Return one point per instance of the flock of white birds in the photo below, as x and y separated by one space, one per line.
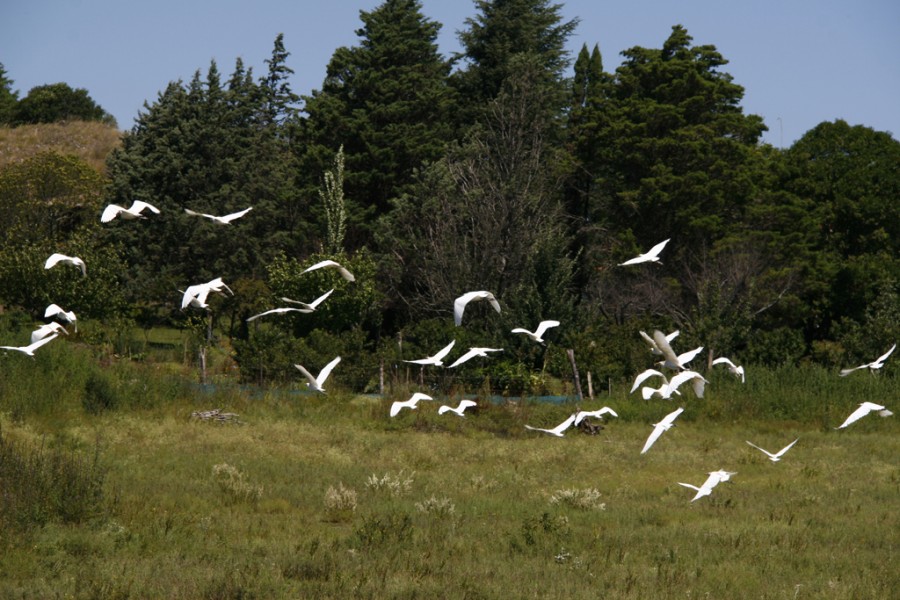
660 345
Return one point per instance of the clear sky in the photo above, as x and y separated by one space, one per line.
800 62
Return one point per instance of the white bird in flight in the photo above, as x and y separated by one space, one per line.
667 423
737 371
672 360
54 311
472 353
29 350
459 410
558 430
654 348
133 212
57 258
316 383
223 220
667 389
310 307
45 330
537 334
277 311
872 366
437 359
330 264
597 414
651 255
776 456
864 409
196 295
459 305
410 404
642 377
714 479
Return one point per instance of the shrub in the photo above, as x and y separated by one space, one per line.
232 483
99 393
340 503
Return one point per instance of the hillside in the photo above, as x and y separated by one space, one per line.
91 141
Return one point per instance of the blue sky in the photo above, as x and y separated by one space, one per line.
800 62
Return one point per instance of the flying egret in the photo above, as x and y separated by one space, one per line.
66 260
472 353
737 371
308 308
777 456
642 377
597 414
410 404
872 366
651 255
664 425
223 220
330 264
54 311
459 410
459 305
652 343
29 350
666 390
537 334
134 212
714 479
686 357
316 383
45 330
665 349
864 409
437 359
277 311
195 295
558 430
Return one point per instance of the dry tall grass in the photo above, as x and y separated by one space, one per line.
89 140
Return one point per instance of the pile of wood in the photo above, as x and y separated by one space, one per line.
216 415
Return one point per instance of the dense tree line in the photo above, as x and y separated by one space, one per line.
513 167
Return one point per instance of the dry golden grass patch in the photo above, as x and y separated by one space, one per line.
90 141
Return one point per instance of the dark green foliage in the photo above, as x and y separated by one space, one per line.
388 103
58 102
8 98
99 393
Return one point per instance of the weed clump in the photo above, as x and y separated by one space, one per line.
584 499
394 485
232 483
340 503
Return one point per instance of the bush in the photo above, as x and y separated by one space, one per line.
99 394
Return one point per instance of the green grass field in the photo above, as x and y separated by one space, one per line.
326 497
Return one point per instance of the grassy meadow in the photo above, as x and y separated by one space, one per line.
110 489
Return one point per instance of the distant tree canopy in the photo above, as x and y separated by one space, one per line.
8 98
499 170
58 102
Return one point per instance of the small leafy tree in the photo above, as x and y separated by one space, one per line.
332 195
59 102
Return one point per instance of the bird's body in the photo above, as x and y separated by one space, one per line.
654 348
714 479
397 406
665 350
872 366
224 219
310 307
776 456
58 258
642 377
597 414
460 409
195 296
330 264
659 428
537 334
737 371
54 311
45 330
30 349
459 305
651 255
667 389
436 360
558 430
316 383
472 353
864 409
133 212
